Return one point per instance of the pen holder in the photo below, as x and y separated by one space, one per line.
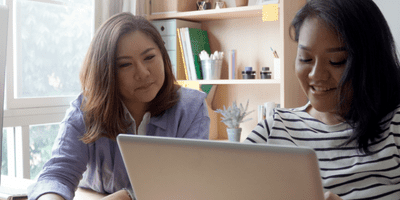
211 69
277 68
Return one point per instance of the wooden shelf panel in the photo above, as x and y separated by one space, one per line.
238 81
213 14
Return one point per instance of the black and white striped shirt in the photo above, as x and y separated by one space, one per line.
344 170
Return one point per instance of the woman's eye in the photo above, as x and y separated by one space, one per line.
305 60
338 63
149 57
124 65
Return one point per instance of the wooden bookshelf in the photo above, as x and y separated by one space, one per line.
239 81
213 14
243 29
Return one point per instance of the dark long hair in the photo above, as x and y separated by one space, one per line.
102 106
372 73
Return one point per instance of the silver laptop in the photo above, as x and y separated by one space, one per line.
177 168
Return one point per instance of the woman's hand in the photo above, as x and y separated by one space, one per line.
120 195
330 196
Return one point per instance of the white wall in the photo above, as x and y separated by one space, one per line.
390 9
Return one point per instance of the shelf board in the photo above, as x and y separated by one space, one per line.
213 14
238 82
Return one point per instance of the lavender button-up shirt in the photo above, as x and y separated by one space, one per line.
99 165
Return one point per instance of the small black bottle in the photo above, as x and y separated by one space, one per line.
248 73
265 73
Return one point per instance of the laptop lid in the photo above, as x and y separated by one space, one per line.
3 51
177 168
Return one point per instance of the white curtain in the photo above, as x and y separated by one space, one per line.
107 8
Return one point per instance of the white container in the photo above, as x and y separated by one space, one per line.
211 69
269 109
234 134
277 69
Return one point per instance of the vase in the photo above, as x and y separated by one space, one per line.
241 3
234 134
203 5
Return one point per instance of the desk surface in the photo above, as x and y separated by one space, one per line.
80 194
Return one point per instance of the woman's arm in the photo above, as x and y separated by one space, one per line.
120 195
50 196
64 170
330 196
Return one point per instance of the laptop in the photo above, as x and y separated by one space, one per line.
178 168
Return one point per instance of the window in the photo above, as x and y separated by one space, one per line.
4 162
50 39
41 140
46 45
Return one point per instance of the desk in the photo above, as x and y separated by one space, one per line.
80 194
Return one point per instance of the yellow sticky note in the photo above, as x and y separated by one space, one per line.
270 12
190 84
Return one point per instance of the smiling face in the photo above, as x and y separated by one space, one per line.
320 63
140 69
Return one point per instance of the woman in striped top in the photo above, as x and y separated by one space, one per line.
348 68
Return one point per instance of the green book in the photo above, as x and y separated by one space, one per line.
206 88
198 42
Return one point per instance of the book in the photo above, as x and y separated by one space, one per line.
185 52
181 53
232 64
189 53
190 84
7 193
206 88
261 113
198 41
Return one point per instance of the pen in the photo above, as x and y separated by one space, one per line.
274 52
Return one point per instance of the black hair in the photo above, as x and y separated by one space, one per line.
372 76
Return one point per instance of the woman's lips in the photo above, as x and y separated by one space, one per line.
322 90
144 86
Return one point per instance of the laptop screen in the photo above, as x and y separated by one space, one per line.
3 51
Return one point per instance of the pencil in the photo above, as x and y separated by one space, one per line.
274 53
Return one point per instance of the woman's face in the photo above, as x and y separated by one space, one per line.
320 63
140 68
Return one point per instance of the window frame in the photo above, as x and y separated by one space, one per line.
11 78
20 113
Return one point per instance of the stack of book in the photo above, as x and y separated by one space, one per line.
192 41
7 193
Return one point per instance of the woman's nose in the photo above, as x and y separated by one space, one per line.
319 72
141 72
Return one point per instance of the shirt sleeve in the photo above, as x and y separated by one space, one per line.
262 131
62 173
200 125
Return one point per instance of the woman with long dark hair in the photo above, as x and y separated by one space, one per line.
347 65
127 87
